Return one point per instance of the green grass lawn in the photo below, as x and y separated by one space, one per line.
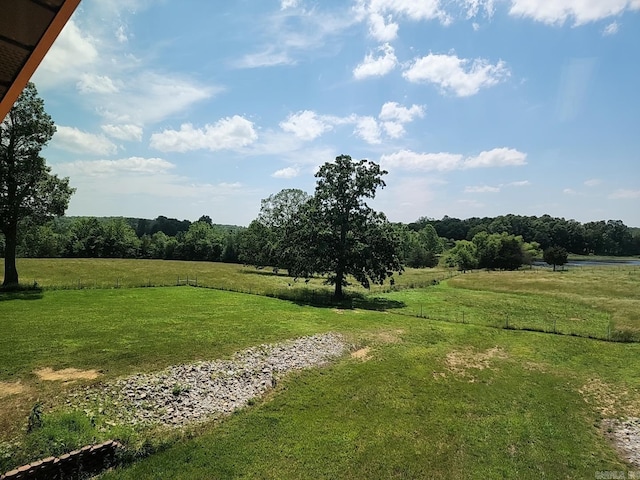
435 399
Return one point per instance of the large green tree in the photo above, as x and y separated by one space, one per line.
336 233
29 192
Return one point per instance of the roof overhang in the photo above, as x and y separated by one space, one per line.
28 28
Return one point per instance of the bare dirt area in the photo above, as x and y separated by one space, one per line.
460 362
11 388
362 354
66 374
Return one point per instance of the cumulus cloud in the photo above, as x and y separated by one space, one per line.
127 132
227 133
383 30
368 129
498 157
460 76
557 12
443 161
288 172
409 160
306 125
394 116
74 140
379 66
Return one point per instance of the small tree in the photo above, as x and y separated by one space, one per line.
464 256
556 256
28 190
337 233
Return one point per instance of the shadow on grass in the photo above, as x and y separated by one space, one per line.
325 298
20 292
268 272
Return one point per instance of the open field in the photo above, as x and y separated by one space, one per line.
69 273
430 399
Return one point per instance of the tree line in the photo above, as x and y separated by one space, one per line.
610 237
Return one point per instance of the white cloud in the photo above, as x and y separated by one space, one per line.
377 66
124 166
152 97
443 161
383 30
569 191
284 4
394 116
522 183
227 133
461 76
288 172
267 58
473 7
70 56
305 125
130 92
498 157
368 129
611 29
557 12
482 189
412 9
74 140
625 194
594 182
408 160
91 83
128 132
395 112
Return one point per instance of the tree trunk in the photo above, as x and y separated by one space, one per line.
338 292
10 270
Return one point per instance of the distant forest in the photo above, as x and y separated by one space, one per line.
202 240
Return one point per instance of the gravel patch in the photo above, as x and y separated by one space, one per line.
626 437
183 394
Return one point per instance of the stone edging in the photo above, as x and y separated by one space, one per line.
87 460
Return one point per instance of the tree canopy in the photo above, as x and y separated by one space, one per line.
29 192
337 233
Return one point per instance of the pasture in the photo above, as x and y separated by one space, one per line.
444 390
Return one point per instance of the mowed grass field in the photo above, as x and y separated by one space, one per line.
433 398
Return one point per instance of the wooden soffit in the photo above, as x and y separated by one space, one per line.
28 28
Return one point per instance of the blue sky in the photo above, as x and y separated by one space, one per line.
475 107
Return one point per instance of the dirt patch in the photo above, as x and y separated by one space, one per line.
66 374
362 354
609 400
460 362
11 388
